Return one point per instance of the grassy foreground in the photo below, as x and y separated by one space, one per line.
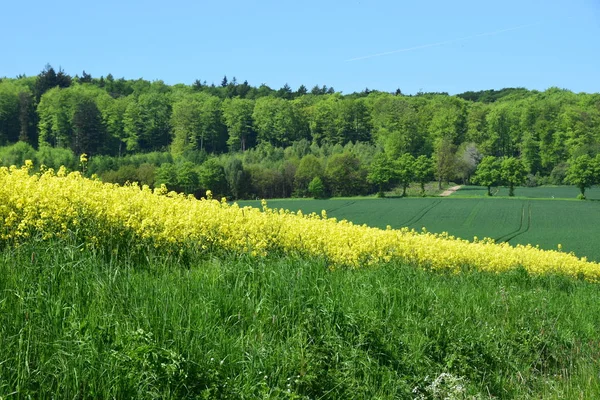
74 324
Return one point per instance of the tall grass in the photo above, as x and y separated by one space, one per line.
77 325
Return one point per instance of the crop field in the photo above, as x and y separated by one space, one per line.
544 222
131 219
111 291
541 192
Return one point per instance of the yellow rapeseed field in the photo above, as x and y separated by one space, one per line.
60 204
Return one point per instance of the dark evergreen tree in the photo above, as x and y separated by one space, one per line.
27 119
231 89
47 79
88 130
63 80
285 92
316 90
244 89
85 78
109 84
197 85
302 90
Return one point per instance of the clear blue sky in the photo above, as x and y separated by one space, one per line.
450 46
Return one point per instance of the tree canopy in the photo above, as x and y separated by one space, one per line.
545 132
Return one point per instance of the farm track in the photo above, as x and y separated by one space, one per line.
469 220
524 225
449 191
526 228
417 217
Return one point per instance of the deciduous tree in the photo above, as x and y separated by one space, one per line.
488 173
9 112
381 173
278 121
445 160
345 175
237 115
405 171
513 173
212 177
316 188
583 173
423 171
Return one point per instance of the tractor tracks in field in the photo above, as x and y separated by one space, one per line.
417 217
346 204
524 224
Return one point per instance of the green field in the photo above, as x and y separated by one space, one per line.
537 221
546 192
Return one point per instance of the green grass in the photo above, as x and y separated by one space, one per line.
74 324
544 222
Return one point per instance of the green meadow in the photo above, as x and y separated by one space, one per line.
78 324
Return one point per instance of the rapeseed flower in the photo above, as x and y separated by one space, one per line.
58 205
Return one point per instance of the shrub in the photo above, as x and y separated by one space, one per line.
16 154
317 188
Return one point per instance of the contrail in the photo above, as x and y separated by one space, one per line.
424 46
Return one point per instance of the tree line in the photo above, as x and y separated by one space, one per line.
370 131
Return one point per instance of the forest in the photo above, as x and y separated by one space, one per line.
244 141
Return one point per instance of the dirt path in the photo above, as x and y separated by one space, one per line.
450 191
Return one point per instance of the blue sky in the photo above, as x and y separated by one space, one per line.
450 46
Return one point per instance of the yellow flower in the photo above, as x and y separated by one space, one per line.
52 205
